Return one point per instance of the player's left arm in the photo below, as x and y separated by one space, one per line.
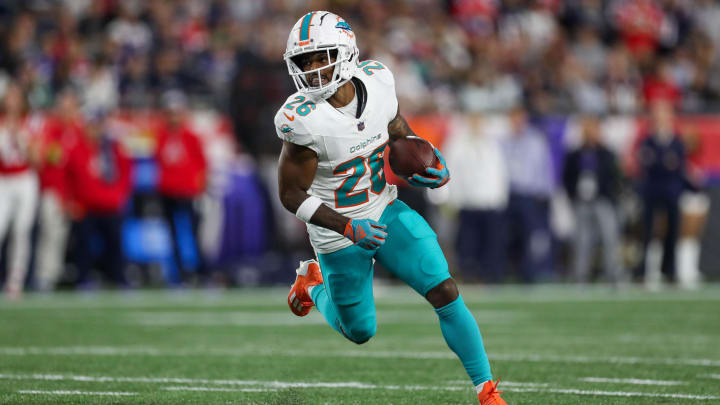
433 177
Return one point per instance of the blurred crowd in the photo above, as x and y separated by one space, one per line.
73 71
520 199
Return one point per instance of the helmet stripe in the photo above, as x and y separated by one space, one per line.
305 26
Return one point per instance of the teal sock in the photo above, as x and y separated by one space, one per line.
462 335
322 303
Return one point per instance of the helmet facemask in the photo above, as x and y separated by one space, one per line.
343 68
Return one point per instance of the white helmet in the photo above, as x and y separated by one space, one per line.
322 31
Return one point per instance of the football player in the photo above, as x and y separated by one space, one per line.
334 130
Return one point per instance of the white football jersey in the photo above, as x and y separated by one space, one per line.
349 177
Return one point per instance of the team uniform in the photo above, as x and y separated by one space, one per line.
350 143
351 181
350 149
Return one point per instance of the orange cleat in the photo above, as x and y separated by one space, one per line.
490 395
308 275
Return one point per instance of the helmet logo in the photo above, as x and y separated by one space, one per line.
344 27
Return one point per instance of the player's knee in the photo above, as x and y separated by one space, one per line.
443 293
361 332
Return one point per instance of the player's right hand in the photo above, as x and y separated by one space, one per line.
366 233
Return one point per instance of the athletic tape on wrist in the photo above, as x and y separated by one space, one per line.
308 207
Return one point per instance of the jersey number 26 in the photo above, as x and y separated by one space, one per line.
344 195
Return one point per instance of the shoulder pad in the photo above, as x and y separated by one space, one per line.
296 108
374 69
290 121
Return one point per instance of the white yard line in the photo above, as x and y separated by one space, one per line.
362 386
613 393
84 378
635 381
277 384
607 359
268 384
504 383
216 389
262 386
151 380
538 358
713 376
82 350
63 392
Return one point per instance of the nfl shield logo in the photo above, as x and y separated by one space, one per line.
361 126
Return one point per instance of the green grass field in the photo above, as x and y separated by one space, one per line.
550 345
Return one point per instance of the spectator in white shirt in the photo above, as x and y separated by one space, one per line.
479 191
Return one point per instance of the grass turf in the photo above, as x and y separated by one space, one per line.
550 344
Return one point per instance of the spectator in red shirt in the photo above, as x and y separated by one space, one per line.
18 187
658 86
59 134
182 174
639 23
99 179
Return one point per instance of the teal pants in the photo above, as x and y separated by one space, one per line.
411 252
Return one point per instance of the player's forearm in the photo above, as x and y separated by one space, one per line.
330 219
325 216
399 128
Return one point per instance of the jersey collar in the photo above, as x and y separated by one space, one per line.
361 92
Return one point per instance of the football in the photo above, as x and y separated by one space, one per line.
411 155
